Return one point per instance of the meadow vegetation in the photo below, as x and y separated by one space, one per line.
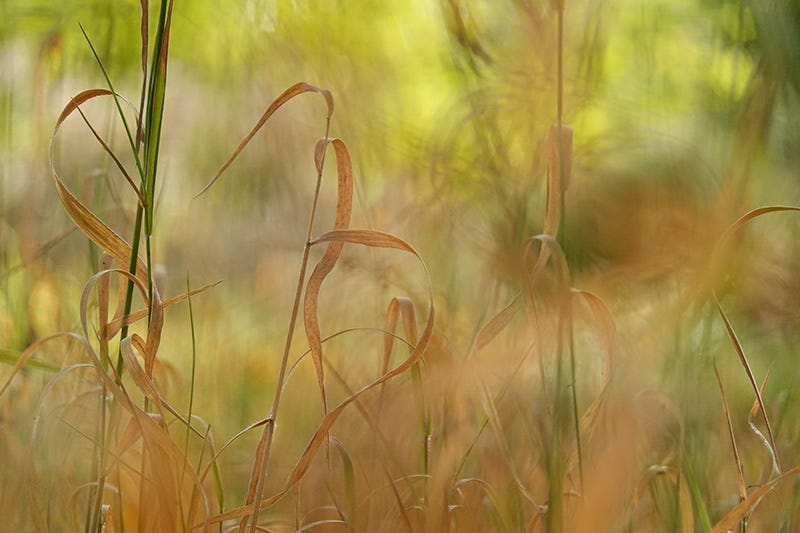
455 265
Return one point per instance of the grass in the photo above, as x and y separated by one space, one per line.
562 399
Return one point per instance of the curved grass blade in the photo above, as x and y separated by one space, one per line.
89 224
751 421
288 94
329 258
491 493
404 307
738 513
751 377
258 471
25 358
496 324
716 258
398 306
349 482
120 321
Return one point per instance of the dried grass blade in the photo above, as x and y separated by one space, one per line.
750 215
97 279
90 225
497 323
288 94
492 416
751 421
23 359
399 305
120 321
153 331
367 237
165 460
140 377
404 307
103 295
258 472
390 326
551 244
130 436
328 260
559 168
738 513
79 99
717 256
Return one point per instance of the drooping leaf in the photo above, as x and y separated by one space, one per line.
328 259
287 95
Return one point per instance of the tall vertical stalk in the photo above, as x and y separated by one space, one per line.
144 145
566 339
259 471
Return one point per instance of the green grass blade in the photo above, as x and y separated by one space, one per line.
140 208
191 382
156 93
116 101
12 358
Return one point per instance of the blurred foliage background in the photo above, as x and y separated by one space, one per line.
685 115
684 109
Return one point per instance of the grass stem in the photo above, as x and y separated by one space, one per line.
259 471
